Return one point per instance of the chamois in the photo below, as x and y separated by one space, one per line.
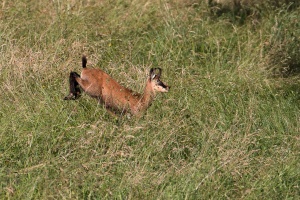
116 98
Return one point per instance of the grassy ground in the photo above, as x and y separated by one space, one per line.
228 129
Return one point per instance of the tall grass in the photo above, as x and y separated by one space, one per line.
227 129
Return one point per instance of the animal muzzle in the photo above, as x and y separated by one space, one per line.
165 87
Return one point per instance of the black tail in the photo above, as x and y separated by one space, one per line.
84 61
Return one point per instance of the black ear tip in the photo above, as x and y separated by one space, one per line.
84 61
154 69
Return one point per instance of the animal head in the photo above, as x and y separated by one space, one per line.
156 83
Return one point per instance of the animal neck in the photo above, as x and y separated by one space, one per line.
147 96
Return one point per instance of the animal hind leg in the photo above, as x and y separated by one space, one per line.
75 91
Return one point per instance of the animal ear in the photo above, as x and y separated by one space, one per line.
152 74
155 73
159 72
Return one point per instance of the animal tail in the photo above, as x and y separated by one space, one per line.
84 61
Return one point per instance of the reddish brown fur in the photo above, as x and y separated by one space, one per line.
114 96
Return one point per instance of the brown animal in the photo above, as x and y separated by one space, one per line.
116 98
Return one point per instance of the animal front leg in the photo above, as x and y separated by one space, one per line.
74 87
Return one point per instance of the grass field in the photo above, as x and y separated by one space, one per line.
228 128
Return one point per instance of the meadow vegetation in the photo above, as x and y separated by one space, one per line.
228 128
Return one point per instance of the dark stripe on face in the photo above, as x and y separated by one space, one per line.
162 84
